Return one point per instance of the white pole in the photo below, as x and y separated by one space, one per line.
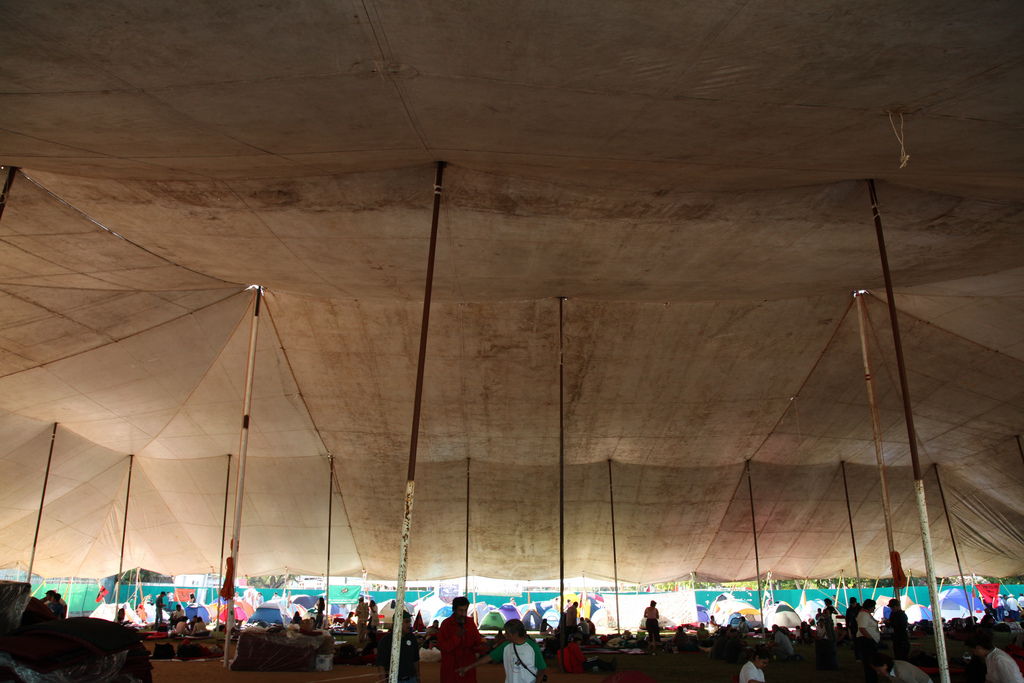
240 486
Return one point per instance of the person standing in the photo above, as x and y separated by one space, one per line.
374 623
1013 608
408 653
851 624
520 655
868 636
900 636
161 600
571 618
321 614
651 617
458 639
362 615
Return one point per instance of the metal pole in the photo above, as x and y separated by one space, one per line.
124 531
1020 448
467 526
952 537
224 529
853 539
42 498
922 510
562 620
876 427
615 554
8 181
757 559
330 523
243 445
410 485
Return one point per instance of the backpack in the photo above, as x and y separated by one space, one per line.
189 651
163 651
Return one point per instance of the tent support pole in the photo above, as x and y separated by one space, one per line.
952 537
243 445
562 620
124 531
757 559
330 522
922 510
1020 448
615 555
410 485
467 526
853 538
224 529
876 426
8 181
46 479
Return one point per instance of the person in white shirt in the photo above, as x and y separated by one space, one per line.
754 669
897 670
1002 668
868 636
1013 607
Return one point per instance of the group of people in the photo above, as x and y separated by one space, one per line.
56 603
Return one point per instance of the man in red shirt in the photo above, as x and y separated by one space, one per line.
458 640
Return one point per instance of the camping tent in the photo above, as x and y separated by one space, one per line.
270 613
781 614
675 192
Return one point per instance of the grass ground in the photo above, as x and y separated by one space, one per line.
664 668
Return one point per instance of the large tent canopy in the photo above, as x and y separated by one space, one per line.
690 176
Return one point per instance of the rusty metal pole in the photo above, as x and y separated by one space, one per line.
326 617
562 620
853 538
757 559
410 485
922 509
42 498
952 537
615 555
224 529
124 532
876 427
8 181
243 445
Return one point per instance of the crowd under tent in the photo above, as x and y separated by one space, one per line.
670 198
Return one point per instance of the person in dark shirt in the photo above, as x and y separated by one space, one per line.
718 648
900 636
851 624
734 648
408 654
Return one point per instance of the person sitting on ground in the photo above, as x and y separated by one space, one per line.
545 628
805 637
296 618
783 648
683 642
178 615
430 635
743 627
121 618
889 669
573 662
718 648
734 648
198 629
180 628
753 670
702 632
1002 668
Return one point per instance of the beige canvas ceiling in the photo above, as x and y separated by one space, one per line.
690 176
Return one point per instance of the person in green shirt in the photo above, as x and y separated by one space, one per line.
520 654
